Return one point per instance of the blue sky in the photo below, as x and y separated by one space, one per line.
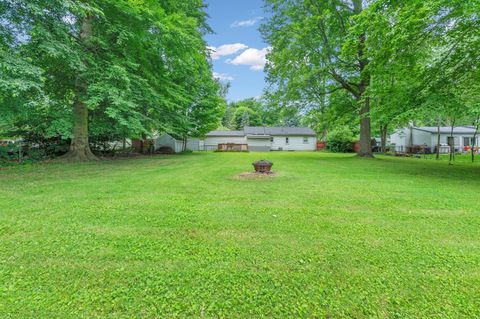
239 51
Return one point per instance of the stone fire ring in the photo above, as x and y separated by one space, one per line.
263 167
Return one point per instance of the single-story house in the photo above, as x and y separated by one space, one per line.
264 139
428 136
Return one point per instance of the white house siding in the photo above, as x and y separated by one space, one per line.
461 140
193 144
176 145
258 138
444 139
295 143
211 143
401 138
165 140
421 137
259 144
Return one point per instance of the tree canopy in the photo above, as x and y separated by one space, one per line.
90 69
388 62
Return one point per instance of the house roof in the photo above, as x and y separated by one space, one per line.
259 136
226 133
265 130
447 129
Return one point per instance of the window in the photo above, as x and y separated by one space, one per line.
305 140
467 141
286 140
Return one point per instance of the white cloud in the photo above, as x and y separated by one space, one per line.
222 76
226 49
255 58
246 23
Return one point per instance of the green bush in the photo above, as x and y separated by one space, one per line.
340 140
15 153
8 154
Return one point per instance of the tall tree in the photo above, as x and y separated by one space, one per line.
120 63
316 43
421 53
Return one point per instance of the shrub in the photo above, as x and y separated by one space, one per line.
340 140
8 154
29 152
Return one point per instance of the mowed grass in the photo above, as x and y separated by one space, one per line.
331 236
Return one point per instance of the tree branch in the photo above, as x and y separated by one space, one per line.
345 84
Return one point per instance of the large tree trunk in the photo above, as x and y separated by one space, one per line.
79 146
365 126
365 130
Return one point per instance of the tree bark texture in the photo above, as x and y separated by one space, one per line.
365 125
79 145
365 130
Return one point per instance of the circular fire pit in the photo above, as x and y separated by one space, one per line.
263 166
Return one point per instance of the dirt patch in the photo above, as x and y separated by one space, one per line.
256 175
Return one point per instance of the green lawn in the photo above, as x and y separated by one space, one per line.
331 236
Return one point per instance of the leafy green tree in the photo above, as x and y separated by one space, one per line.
125 65
340 111
203 113
394 58
421 52
245 119
470 95
261 112
228 120
245 116
317 50
21 82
